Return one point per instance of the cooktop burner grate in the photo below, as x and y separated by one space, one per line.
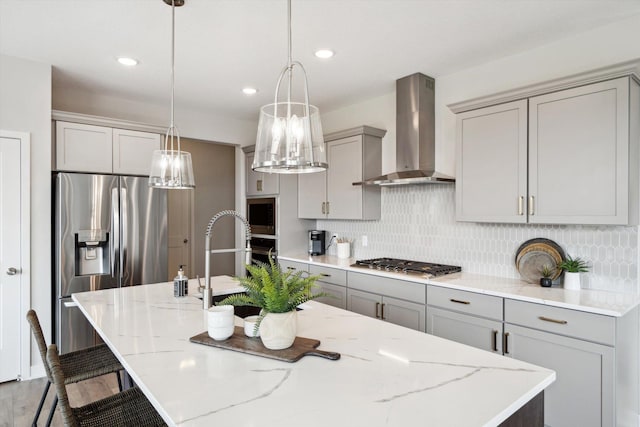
395 265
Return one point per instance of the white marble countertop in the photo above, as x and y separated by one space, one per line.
388 375
598 302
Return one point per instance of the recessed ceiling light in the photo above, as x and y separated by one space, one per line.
249 91
324 53
129 62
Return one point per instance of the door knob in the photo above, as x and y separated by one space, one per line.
185 241
11 271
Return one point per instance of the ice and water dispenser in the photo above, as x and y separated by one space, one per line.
92 252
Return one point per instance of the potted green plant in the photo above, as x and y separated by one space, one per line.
572 268
546 272
278 294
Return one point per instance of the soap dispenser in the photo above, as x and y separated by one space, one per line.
180 284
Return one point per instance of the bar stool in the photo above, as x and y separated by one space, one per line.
76 366
127 408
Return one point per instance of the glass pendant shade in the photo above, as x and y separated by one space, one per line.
289 139
171 169
290 136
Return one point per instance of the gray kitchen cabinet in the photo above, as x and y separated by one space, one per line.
570 157
465 317
491 174
100 149
292 265
353 155
333 281
485 334
595 358
579 142
259 183
397 301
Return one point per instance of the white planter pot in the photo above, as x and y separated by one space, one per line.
572 281
278 330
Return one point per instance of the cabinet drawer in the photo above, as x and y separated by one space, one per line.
465 302
329 275
402 289
337 294
586 326
292 265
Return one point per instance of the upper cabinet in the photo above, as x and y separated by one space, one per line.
259 183
353 155
567 157
99 149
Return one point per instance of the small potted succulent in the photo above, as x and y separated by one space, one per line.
546 273
572 268
278 294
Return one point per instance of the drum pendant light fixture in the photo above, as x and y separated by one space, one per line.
171 168
290 136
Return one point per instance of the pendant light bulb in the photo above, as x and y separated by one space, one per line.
172 168
298 123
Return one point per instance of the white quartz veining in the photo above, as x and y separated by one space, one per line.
592 301
387 376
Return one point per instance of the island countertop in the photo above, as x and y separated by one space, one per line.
388 375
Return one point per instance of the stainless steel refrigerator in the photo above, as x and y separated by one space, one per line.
110 231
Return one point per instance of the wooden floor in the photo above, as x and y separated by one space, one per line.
19 399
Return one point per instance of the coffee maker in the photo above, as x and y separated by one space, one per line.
317 242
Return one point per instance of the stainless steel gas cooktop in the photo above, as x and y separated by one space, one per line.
393 265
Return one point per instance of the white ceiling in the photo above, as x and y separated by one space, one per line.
224 45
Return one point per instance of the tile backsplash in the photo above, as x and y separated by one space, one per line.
418 222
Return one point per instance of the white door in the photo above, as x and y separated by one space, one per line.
10 263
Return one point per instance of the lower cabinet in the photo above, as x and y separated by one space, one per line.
582 394
398 312
333 281
484 334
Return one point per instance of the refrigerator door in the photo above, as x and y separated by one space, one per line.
73 330
143 217
86 236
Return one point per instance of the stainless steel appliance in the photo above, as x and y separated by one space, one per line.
424 269
317 242
110 231
261 214
261 247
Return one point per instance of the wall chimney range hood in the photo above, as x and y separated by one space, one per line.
415 135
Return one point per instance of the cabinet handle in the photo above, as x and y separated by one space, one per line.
325 275
291 268
259 185
382 312
549 319
505 343
377 307
328 208
323 207
521 205
494 340
531 212
457 301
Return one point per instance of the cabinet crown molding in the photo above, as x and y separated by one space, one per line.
629 68
359 130
87 119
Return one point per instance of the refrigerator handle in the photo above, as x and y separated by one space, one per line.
115 233
125 231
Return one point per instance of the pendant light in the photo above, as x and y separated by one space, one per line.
171 168
289 136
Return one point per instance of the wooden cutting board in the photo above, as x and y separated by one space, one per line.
243 344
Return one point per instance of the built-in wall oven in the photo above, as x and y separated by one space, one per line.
261 247
261 214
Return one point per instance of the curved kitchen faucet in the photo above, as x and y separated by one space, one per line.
206 293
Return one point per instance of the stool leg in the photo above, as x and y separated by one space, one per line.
34 423
52 411
119 381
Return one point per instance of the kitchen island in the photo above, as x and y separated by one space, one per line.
387 376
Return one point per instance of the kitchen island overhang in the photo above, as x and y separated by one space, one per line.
388 375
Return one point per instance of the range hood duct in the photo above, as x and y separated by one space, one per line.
415 135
